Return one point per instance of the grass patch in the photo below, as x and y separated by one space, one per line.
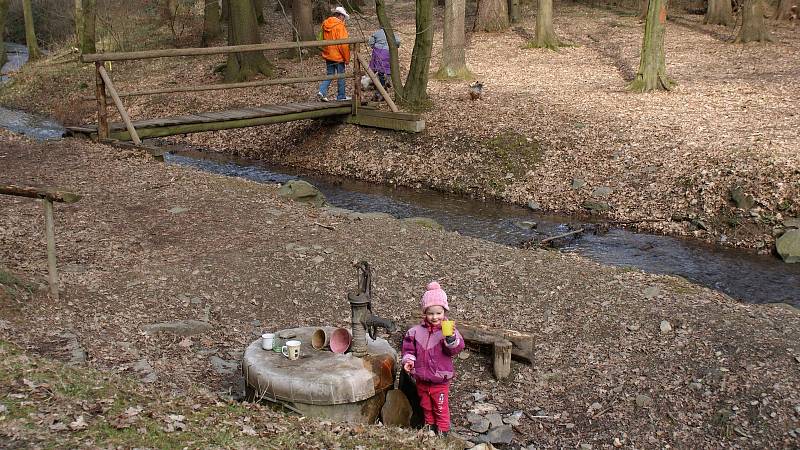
49 404
514 152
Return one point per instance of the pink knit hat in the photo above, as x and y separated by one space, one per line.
434 296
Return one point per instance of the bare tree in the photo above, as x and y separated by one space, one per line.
753 27
259 6
545 35
454 60
243 29
211 19
85 25
492 15
719 12
30 32
3 15
303 20
652 73
784 10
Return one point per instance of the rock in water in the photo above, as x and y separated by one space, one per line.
788 246
302 191
743 200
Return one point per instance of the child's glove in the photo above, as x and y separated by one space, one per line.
408 366
449 339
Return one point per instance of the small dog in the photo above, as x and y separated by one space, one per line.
475 90
366 83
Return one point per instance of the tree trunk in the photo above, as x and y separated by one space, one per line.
416 87
513 11
30 33
211 18
492 15
719 12
784 10
454 60
394 63
753 27
545 35
259 6
302 17
652 66
226 10
85 21
3 15
243 29
643 6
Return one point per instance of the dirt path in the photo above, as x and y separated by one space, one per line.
154 243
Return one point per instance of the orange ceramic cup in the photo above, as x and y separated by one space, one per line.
448 327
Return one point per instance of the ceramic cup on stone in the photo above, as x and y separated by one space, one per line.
320 339
267 341
341 338
291 350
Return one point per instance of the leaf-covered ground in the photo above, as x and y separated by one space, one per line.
669 363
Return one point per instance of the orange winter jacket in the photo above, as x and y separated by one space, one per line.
333 28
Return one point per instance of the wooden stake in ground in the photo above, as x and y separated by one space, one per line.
652 75
502 359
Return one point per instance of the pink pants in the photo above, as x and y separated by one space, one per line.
433 398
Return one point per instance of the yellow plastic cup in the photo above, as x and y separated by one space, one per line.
448 327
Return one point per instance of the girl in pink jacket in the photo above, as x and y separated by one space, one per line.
428 356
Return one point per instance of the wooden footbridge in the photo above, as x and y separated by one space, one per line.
352 111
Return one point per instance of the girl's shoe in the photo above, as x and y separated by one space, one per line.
321 97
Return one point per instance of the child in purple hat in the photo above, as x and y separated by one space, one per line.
428 356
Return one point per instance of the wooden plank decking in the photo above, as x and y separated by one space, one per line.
253 116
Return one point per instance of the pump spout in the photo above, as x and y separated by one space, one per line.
373 321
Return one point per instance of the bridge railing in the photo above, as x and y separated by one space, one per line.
103 80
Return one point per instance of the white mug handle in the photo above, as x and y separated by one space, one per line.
285 351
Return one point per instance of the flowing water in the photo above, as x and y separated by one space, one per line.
739 273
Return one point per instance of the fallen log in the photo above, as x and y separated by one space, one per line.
485 337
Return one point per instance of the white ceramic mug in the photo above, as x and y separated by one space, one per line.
267 340
291 350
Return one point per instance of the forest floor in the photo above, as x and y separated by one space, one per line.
645 360
551 127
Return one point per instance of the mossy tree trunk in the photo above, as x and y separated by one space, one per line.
303 19
784 10
30 32
85 25
652 73
394 63
415 91
643 6
492 15
3 15
513 11
243 29
259 6
754 29
211 21
454 60
545 35
719 12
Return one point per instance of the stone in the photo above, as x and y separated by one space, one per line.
695 386
179 327
483 408
742 199
478 396
651 292
665 327
788 246
302 191
513 418
585 446
481 426
791 222
425 222
602 192
643 401
526 225
578 183
473 418
145 371
464 354
178 210
534 206
484 446
596 206
495 420
317 259
223 367
500 435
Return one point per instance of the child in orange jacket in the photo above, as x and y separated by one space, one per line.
335 56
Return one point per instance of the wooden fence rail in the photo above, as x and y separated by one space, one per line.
48 196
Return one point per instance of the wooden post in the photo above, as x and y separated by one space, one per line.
100 94
120 107
356 78
51 247
502 359
372 76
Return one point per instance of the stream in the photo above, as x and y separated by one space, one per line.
739 273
